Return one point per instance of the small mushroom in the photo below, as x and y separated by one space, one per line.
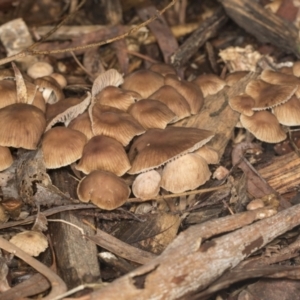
116 97
210 155
31 242
185 173
158 146
62 146
144 82
60 79
40 69
288 113
103 153
264 126
115 123
106 190
209 84
174 101
267 95
243 104
189 90
21 126
83 124
146 185
152 113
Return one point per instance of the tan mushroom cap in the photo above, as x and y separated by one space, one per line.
243 104
21 126
116 97
52 110
288 113
83 124
175 102
279 78
39 69
144 82
31 242
233 78
62 146
210 155
6 158
189 90
104 153
104 189
158 146
267 95
115 123
264 126
185 173
152 113
146 185
209 84
163 69
60 79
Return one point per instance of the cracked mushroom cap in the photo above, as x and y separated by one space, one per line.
152 113
144 82
209 84
6 158
83 124
185 173
189 90
267 95
288 113
21 126
103 153
158 146
31 242
115 123
106 190
243 104
146 185
163 69
116 97
175 102
62 146
264 126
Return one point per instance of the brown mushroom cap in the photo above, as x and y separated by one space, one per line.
104 189
209 84
152 113
288 113
31 242
175 102
21 126
296 68
6 158
189 90
264 126
115 123
243 104
163 69
234 77
83 124
185 173
158 146
116 97
146 185
103 153
279 78
144 82
62 146
267 95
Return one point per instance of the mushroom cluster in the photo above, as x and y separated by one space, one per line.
270 101
122 127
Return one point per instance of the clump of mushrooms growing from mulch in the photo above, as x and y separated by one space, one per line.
128 126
